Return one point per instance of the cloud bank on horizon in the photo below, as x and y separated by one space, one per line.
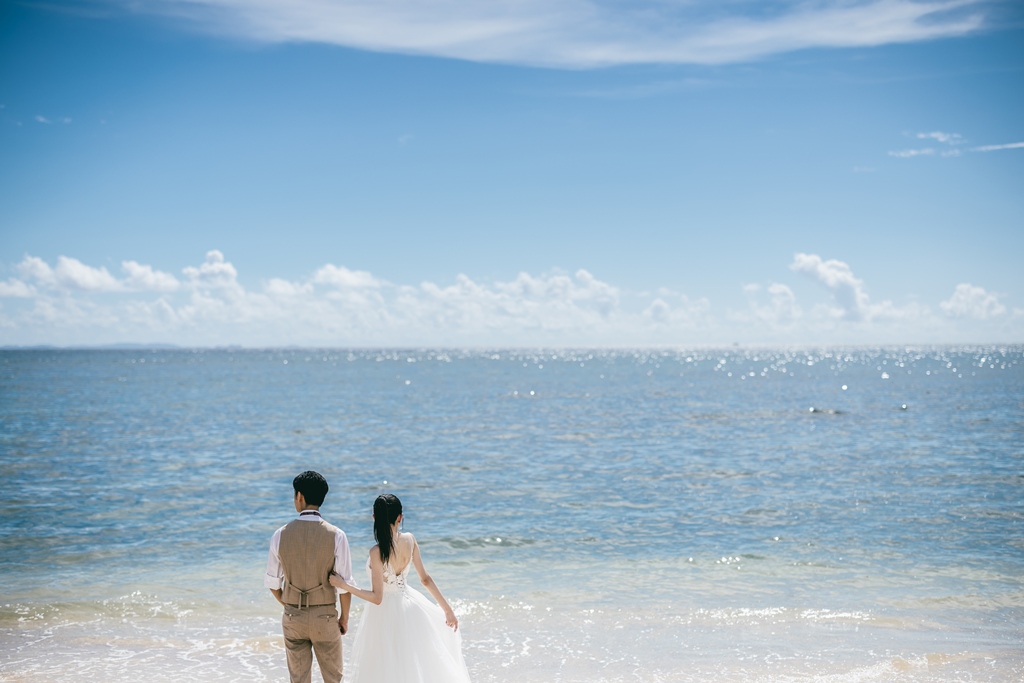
581 33
71 303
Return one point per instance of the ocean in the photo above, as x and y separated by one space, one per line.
651 516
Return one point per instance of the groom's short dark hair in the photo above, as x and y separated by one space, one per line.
312 486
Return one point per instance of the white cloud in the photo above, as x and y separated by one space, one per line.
583 33
37 269
213 273
42 119
337 306
849 292
684 314
969 301
784 301
284 288
837 277
143 278
15 289
996 148
781 308
340 276
583 291
911 153
72 273
527 303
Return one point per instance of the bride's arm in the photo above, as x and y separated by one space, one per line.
449 616
376 580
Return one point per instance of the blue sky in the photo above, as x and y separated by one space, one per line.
558 173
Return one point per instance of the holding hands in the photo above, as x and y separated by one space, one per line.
339 582
376 595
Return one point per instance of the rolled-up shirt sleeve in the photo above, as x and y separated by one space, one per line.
343 559
275 573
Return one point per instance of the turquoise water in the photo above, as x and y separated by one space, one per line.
677 515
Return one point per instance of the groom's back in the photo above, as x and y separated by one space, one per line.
307 558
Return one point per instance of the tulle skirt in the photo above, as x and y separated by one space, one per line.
404 640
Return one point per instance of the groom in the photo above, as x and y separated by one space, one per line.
302 555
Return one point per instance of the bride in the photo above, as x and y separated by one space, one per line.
403 637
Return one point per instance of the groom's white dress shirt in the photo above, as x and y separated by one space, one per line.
274 577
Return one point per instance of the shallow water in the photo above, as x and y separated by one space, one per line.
641 516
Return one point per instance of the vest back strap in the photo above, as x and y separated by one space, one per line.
304 595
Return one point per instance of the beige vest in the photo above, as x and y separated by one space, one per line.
307 558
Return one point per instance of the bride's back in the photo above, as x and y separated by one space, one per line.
401 553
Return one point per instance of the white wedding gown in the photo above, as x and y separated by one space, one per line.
404 639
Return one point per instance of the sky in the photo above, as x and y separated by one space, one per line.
560 173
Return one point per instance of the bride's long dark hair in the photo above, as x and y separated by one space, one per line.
386 509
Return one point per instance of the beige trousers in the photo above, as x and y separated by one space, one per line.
312 630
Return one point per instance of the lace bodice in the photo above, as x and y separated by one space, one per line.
392 582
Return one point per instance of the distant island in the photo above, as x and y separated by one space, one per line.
93 347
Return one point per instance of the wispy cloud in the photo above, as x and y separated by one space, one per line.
996 148
39 118
911 153
583 33
949 138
